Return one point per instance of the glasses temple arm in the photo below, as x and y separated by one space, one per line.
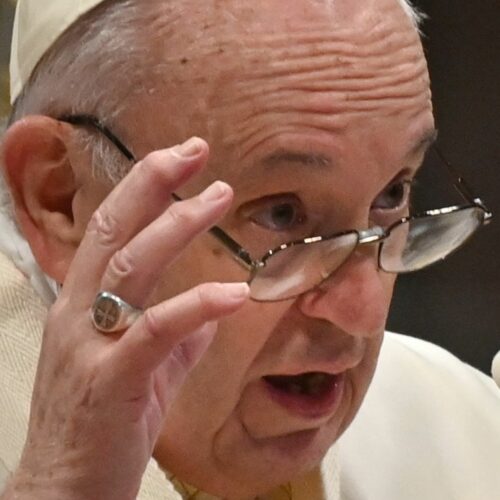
461 185
92 121
233 246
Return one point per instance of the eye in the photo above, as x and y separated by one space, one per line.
395 196
282 213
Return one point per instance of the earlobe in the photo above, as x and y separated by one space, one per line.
39 172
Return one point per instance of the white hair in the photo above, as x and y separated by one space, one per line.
95 67
415 14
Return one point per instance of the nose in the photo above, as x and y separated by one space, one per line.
355 298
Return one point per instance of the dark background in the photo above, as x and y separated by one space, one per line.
455 304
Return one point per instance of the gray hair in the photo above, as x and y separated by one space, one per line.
96 66
98 53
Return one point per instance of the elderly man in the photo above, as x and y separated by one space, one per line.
224 312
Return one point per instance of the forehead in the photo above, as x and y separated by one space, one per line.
275 71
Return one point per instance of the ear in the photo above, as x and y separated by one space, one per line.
37 158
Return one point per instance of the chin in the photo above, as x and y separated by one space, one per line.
240 466
264 464
237 462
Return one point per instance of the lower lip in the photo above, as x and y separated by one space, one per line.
311 407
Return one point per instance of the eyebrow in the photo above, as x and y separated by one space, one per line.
302 158
318 160
427 139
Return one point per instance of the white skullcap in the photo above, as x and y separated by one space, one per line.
37 25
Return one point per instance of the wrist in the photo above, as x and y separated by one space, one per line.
58 482
39 485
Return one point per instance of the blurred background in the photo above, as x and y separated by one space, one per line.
455 304
6 12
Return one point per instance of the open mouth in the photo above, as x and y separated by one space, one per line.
310 395
312 384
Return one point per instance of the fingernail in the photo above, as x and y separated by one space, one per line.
238 291
192 147
215 191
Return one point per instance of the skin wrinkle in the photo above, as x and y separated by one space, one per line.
399 83
314 82
365 94
336 78
211 45
329 103
330 45
250 136
368 42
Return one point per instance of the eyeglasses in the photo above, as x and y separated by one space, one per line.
410 244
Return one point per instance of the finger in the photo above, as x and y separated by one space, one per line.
142 195
132 272
153 337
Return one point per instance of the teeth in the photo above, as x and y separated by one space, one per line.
295 388
316 383
309 384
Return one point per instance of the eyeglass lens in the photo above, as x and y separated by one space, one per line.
298 268
410 246
423 241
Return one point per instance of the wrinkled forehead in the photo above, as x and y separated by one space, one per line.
198 27
222 59
285 16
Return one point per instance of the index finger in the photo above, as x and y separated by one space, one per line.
135 202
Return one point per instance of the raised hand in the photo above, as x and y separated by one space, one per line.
100 400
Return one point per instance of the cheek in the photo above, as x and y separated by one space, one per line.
207 405
220 378
370 301
204 260
387 281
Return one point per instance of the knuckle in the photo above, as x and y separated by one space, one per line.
54 315
58 314
182 214
182 355
105 226
153 326
154 160
155 166
122 265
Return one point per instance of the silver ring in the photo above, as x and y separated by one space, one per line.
112 314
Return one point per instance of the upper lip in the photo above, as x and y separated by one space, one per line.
331 368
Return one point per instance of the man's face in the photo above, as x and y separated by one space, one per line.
314 112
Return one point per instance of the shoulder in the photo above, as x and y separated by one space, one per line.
428 428
430 367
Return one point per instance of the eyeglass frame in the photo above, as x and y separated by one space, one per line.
376 234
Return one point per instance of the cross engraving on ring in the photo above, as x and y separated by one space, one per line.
107 313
